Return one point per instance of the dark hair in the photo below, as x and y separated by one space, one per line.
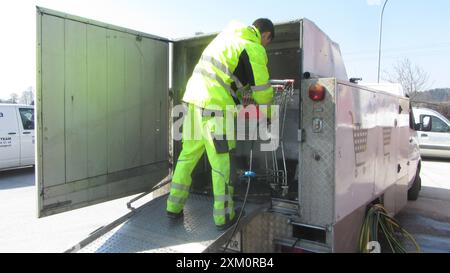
265 25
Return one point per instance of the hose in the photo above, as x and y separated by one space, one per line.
377 222
249 180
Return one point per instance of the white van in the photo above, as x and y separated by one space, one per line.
434 133
16 136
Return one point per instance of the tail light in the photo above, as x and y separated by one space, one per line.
317 92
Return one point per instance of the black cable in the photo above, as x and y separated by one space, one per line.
249 180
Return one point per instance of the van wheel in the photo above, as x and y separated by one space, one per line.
413 193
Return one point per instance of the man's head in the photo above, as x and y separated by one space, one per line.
267 30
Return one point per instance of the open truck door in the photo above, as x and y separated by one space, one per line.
102 112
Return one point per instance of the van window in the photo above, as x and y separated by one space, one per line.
438 125
27 116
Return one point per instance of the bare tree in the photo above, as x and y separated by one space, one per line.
412 77
27 96
14 98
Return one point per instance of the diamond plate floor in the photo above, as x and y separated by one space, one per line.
150 231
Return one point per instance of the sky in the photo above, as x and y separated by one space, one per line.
414 29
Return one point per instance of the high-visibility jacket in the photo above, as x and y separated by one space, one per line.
233 61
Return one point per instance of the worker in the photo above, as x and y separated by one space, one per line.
234 60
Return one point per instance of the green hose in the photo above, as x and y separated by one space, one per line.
378 222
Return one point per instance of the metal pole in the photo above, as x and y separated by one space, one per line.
381 33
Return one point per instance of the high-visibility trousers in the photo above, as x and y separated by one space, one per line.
200 134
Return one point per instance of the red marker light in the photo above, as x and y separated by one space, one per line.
317 92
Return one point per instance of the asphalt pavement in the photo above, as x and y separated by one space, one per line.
22 231
428 219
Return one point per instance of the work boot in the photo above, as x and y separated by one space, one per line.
174 216
231 223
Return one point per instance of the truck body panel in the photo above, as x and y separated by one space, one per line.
321 56
102 111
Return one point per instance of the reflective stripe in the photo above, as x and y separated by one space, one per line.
261 87
227 204
224 69
205 73
222 212
180 187
221 198
238 83
217 64
177 200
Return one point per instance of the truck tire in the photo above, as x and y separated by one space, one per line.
413 193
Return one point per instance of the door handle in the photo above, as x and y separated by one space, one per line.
12 134
26 133
424 135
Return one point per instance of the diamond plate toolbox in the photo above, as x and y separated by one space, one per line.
317 171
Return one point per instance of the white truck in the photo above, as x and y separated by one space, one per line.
17 148
103 115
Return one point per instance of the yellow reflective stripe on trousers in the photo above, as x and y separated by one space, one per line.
180 187
177 200
222 212
222 198
261 87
